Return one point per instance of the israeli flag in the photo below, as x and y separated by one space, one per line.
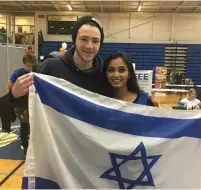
82 140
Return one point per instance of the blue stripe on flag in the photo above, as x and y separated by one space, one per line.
40 183
78 108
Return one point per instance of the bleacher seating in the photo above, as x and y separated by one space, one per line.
194 63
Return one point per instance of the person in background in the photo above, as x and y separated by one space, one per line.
28 61
29 51
190 101
21 109
119 80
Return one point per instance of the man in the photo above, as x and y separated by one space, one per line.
27 67
80 65
21 108
29 51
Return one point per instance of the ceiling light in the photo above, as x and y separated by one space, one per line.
69 7
139 8
1 16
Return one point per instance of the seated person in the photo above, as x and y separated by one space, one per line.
190 101
119 80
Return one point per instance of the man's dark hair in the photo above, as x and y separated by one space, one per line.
29 58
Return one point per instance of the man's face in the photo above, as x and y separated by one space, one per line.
88 42
29 50
28 66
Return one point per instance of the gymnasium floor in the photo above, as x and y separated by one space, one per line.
11 159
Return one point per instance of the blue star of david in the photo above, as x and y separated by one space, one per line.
128 183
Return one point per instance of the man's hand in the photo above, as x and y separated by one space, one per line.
21 86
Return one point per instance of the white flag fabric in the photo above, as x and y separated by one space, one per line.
82 140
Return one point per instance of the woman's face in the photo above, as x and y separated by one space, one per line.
193 95
117 73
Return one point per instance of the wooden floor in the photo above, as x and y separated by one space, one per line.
14 182
168 101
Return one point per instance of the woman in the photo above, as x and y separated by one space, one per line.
190 101
119 80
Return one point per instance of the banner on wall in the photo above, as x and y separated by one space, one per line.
144 78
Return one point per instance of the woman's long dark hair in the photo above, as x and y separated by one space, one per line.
132 85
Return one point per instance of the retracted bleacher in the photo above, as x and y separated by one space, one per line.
194 63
